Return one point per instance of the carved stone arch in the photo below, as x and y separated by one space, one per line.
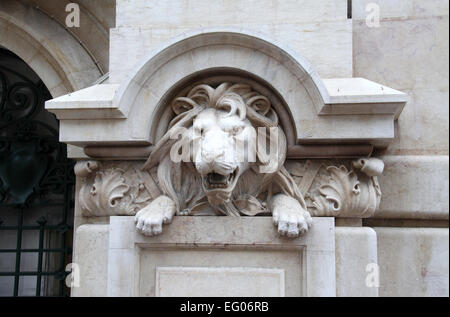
56 57
342 112
228 52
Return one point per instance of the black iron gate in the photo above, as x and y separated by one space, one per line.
36 187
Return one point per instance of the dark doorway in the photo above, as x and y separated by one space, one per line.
36 187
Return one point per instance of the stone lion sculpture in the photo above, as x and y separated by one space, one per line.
216 176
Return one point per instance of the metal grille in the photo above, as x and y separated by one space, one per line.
36 187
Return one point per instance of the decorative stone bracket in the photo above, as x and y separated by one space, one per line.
342 188
114 188
329 119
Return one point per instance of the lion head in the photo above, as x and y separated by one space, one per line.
224 150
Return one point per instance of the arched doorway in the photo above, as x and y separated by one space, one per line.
36 187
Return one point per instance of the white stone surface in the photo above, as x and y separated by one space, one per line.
401 9
423 127
91 258
356 250
311 28
94 102
312 40
412 56
204 12
222 260
413 261
362 96
414 187
219 282
235 242
409 52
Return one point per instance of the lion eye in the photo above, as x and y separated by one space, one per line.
199 131
236 130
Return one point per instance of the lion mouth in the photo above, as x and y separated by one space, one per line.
212 181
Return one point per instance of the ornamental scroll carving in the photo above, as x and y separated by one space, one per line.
336 189
114 188
341 189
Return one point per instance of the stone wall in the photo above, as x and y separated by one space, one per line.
409 52
407 236
323 37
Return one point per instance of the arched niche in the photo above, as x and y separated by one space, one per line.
219 55
214 77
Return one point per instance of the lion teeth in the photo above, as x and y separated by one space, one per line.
215 180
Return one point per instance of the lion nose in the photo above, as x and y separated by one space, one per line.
211 156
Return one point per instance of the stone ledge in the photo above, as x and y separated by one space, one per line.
361 96
94 102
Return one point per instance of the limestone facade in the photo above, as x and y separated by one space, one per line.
363 109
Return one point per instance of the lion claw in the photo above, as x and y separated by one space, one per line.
150 219
291 219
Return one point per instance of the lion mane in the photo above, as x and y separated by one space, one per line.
181 181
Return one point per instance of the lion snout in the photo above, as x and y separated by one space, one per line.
215 166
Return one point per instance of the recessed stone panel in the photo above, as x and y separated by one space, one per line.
220 281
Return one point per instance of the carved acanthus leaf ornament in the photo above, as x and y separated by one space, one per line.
335 189
113 188
340 189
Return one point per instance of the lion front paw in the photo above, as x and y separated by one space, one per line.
289 216
149 220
